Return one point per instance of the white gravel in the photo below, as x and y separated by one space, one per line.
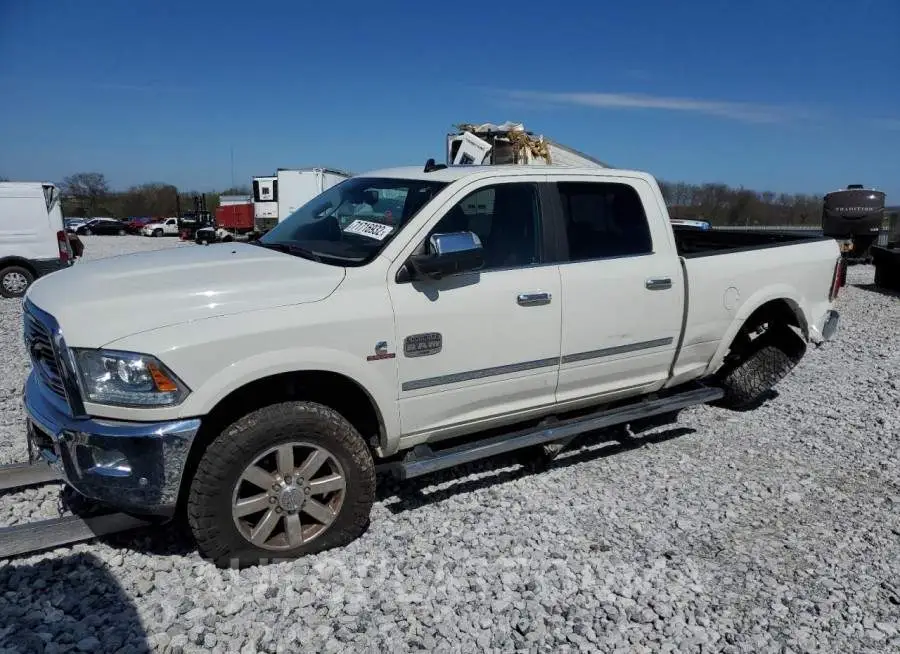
776 530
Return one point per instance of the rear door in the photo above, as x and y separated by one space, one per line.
26 226
622 288
482 347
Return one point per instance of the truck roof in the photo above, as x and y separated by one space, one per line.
453 173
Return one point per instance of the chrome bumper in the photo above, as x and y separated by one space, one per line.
134 466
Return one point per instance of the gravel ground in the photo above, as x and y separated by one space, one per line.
776 530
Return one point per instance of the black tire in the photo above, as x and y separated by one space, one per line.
749 378
121 232
157 233
11 280
209 506
87 232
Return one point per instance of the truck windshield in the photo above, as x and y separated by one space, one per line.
351 222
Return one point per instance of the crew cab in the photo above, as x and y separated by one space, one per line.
504 308
167 227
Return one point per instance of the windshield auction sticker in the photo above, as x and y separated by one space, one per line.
367 228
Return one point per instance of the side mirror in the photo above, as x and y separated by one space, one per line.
449 254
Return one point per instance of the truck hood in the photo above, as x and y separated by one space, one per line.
101 301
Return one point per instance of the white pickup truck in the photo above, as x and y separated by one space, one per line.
167 227
407 320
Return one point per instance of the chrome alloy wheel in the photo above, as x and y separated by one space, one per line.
280 505
15 282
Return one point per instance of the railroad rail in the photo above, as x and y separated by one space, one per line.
40 535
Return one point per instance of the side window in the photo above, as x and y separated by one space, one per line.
604 219
506 217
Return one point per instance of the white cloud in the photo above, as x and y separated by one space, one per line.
746 112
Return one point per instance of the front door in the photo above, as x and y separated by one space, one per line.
483 347
623 290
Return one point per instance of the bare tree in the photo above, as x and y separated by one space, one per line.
87 189
236 190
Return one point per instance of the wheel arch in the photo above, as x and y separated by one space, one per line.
785 309
332 389
6 262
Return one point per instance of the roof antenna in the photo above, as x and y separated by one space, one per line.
431 166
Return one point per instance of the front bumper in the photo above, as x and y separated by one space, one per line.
132 466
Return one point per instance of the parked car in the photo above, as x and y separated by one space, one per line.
33 242
101 226
72 224
135 224
167 227
505 309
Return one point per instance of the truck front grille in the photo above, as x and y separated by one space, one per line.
39 343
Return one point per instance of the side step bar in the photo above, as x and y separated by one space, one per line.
20 475
55 532
424 460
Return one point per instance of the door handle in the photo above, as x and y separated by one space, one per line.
658 283
533 299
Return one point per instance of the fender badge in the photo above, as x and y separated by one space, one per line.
381 352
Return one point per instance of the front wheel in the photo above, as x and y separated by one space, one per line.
121 232
284 481
157 233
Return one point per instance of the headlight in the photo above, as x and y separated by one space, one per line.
127 379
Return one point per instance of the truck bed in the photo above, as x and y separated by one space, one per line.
692 243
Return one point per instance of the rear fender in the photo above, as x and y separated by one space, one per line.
781 292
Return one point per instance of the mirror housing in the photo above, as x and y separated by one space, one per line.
448 254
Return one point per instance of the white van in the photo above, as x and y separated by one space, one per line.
33 240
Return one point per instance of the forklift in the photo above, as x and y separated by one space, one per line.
190 221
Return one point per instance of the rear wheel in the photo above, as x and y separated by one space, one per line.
284 481
121 232
759 360
14 281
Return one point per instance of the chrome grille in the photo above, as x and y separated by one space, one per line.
39 343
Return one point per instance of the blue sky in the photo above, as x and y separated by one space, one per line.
799 96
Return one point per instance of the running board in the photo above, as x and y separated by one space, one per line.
20 475
424 460
55 532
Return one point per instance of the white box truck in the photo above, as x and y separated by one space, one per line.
33 239
275 197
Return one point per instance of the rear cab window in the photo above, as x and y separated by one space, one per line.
604 220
